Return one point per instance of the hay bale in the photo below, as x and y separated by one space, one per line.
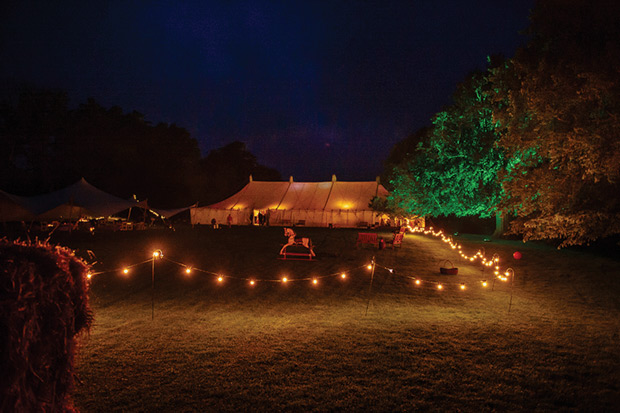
43 308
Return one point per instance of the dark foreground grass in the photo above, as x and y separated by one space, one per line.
296 347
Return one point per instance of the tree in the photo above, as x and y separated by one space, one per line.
125 155
227 170
454 169
561 114
29 129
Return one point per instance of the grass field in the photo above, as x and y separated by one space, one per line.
299 347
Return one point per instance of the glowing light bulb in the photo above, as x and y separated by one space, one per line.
89 276
439 287
417 282
188 270
220 279
252 282
315 281
284 279
343 276
156 254
126 271
484 283
369 266
462 286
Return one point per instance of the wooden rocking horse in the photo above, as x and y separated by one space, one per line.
293 241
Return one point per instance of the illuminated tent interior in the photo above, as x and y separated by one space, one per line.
314 204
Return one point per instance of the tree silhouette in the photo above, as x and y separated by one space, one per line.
47 146
227 170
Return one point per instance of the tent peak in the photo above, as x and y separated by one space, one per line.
334 178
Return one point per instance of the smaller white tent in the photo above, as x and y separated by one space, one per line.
11 209
70 203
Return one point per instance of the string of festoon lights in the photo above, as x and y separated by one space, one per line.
503 275
189 270
315 280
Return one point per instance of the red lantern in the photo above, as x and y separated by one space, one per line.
517 255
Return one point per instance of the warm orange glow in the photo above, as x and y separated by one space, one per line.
156 254
462 286
284 279
188 270
417 282
89 276
484 283
439 287
370 266
252 282
315 281
343 276
126 271
220 279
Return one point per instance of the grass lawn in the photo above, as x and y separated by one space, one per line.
300 347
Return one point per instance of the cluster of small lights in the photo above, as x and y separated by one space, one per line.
479 255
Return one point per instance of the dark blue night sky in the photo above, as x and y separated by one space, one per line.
313 88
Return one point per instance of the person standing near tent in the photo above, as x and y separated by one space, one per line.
229 220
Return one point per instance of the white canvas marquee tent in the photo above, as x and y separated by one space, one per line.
316 204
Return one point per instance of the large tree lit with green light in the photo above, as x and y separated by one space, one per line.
536 137
454 169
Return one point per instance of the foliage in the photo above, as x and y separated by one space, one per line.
454 167
43 307
562 103
400 153
228 168
48 146
28 130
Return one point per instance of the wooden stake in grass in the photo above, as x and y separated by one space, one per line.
372 276
156 254
153 289
512 284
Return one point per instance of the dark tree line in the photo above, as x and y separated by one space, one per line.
46 145
535 137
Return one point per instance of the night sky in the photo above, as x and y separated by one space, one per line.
313 88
